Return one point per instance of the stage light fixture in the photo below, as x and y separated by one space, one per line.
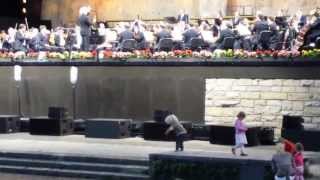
73 75
17 70
24 10
17 73
73 80
24 1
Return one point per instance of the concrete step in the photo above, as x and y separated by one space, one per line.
74 158
71 173
134 169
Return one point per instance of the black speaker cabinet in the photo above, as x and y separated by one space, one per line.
225 135
108 128
155 131
311 140
267 136
50 126
9 124
294 135
160 115
292 122
200 132
58 113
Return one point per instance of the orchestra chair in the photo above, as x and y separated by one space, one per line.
196 44
264 40
128 45
165 44
228 43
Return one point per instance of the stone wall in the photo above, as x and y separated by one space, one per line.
264 101
66 11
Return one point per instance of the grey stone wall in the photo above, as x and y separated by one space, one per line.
264 101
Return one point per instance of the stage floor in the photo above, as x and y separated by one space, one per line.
130 148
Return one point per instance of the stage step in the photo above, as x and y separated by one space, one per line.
71 173
73 166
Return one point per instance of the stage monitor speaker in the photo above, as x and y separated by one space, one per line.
225 135
154 131
9 124
200 132
292 122
160 115
58 113
108 128
50 126
311 140
267 136
294 135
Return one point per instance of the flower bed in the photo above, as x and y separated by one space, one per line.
146 55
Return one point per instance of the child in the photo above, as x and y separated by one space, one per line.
175 125
240 134
298 162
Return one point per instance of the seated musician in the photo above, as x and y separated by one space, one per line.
314 30
260 25
20 39
189 34
163 32
139 37
207 35
125 35
226 31
244 35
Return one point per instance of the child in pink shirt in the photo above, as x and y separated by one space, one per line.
299 162
240 134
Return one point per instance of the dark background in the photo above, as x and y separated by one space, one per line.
11 13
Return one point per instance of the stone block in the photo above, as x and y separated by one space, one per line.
239 88
225 82
247 103
297 106
302 89
274 103
254 88
268 110
224 87
299 96
286 105
250 95
260 102
266 118
312 104
227 103
317 83
312 111
232 94
267 82
276 89
291 83
307 83
218 111
292 113
315 90
288 89
274 96
316 120
246 82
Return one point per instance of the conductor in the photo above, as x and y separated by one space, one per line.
85 27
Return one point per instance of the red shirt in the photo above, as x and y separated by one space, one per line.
289 147
298 159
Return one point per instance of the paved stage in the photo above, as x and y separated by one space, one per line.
130 148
